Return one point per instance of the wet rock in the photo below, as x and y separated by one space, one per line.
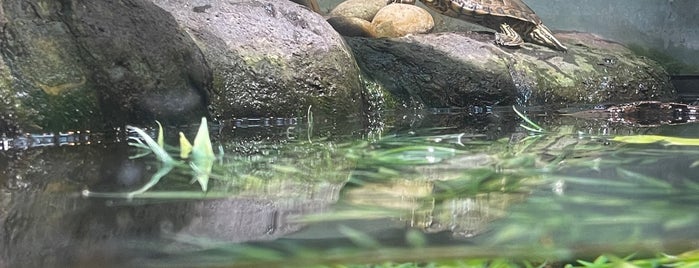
272 58
78 64
363 9
397 20
42 72
595 70
350 26
462 69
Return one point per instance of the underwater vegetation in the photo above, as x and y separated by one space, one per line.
537 196
199 157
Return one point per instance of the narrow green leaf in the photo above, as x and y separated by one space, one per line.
185 146
202 155
202 142
161 140
533 127
646 139
602 259
154 146
643 180
164 170
586 263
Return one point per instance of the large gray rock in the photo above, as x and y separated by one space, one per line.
462 69
90 64
271 58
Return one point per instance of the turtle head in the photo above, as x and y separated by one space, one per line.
543 36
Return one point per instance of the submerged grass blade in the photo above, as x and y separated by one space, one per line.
533 127
359 238
310 124
642 180
202 172
415 154
164 170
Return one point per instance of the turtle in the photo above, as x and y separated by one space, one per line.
311 4
515 21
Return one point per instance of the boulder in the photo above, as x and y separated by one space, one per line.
463 69
93 64
271 58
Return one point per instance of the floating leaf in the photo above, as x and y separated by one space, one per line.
646 139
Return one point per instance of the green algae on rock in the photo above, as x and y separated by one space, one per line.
461 69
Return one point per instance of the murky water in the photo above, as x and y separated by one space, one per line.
435 184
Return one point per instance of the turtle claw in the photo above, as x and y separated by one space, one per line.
508 37
411 2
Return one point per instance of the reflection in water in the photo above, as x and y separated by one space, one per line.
448 192
29 141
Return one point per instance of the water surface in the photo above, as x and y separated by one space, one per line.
433 184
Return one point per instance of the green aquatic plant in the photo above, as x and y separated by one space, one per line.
471 170
534 128
199 157
530 126
202 156
646 139
684 260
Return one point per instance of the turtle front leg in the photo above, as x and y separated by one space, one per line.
311 4
508 37
411 2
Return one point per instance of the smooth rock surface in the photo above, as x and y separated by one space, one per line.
363 9
397 20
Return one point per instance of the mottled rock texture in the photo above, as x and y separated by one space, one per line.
271 58
461 69
91 64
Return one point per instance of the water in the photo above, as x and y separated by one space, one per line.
438 184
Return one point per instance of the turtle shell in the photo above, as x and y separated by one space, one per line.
489 13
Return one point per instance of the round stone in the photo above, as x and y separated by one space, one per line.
350 26
363 9
397 20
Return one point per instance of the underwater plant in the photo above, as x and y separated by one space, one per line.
199 157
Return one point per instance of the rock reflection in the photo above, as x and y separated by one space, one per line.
462 216
47 223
